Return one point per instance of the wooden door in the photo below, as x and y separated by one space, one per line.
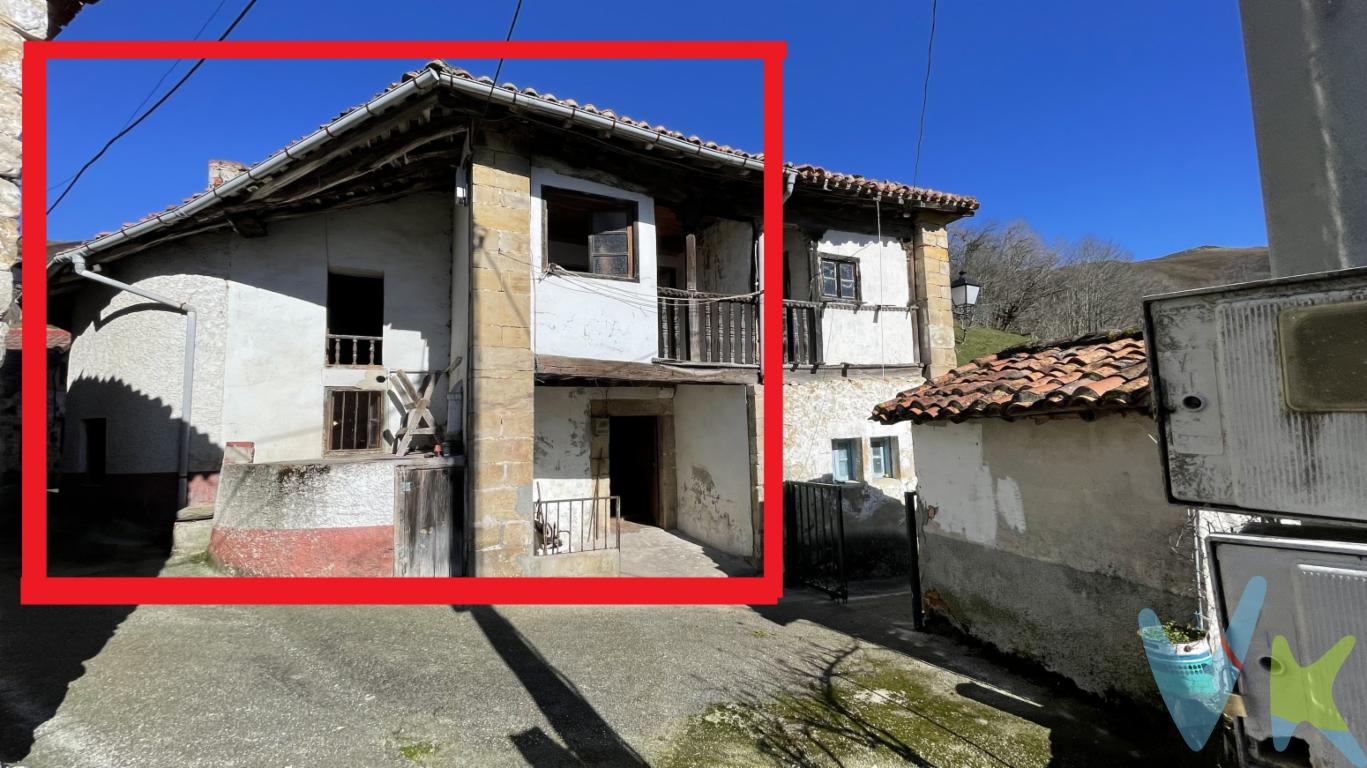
424 522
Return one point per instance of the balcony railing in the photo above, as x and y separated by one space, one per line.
801 333
700 327
565 526
358 351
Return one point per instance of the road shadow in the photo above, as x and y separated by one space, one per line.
588 738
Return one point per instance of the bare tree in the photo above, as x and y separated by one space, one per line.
1013 265
1095 287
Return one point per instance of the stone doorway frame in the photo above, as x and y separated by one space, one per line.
662 408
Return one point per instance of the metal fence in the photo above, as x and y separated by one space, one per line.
564 526
814 537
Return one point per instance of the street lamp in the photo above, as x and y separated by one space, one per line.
963 292
963 295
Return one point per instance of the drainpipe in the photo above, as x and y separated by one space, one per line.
187 382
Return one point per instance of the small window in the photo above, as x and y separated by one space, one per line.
839 279
95 444
353 419
844 460
883 456
592 234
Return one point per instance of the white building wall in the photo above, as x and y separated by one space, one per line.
277 317
725 253
865 336
1047 539
127 359
712 458
592 317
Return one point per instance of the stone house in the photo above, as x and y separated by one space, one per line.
476 329
1043 523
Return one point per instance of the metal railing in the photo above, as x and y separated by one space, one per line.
701 327
346 350
564 526
814 537
802 332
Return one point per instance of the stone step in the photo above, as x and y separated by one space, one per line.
195 512
191 537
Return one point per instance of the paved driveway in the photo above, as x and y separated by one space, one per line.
805 683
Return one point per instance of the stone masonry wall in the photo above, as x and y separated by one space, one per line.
930 244
502 381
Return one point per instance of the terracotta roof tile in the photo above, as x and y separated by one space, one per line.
1101 371
844 184
56 338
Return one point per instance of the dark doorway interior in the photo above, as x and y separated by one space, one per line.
355 319
633 467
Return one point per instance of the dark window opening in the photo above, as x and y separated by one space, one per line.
96 447
590 233
839 279
354 419
355 320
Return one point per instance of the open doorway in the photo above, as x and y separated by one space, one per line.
634 467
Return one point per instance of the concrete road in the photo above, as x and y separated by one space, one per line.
805 683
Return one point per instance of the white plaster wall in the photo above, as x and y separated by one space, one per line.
590 317
819 410
127 357
882 264
1088 495
712 457
725 252
561 466
865 336
274 378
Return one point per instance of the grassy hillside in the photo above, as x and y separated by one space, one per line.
978 342
1204 266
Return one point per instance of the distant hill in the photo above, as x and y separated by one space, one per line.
1202 267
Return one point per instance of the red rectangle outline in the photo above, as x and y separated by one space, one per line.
36 587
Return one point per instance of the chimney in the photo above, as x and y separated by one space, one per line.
223 170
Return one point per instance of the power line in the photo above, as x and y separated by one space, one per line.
157 86
135 123
498 70
925 92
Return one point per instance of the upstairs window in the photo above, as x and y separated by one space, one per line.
839 279
591 234
844 460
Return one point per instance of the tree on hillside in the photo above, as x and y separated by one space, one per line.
1032 288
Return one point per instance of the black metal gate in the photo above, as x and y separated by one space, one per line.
814 537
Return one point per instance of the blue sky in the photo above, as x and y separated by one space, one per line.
1129 121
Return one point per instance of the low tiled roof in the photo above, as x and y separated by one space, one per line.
56 338
810 176
1105 371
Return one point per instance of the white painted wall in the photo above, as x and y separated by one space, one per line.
712 457
1088 495
725 253
590 317
882 264
127 357
274 376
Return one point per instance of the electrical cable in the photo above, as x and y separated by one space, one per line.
135 123
925 93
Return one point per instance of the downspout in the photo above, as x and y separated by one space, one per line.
188 380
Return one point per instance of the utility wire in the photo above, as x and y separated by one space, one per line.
925 92
135 123
498 70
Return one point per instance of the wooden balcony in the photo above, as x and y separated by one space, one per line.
802 333
708 328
